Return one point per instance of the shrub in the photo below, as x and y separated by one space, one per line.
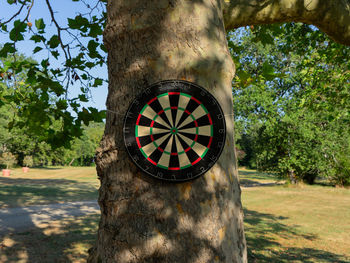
8 159
28 161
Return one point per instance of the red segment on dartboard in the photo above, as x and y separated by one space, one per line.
196 161
151 100
193 98
210 140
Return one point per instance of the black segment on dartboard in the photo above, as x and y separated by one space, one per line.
191 106
155 105
191 154
174 159
174 102
144 140
174 130
144 121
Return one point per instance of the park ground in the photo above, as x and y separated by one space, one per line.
283 223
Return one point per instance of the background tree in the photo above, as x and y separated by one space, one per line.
290 101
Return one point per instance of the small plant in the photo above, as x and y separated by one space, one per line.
28 161
8 159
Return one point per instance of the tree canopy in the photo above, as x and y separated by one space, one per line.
291 99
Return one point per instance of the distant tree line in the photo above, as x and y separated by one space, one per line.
31 121
292 102
22 144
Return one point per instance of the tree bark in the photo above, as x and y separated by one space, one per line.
331 16
144 220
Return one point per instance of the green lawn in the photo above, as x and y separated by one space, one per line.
296 223
282 223
48 185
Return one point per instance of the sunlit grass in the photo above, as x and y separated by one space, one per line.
282 223
297 223
48 185
60 241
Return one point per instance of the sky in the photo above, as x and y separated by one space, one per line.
63 9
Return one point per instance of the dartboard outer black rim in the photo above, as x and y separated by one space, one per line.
174 130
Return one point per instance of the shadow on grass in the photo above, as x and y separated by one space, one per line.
254 178
21 192
58 242
48 168
64 240
264 232
257 175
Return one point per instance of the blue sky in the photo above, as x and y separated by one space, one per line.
63 10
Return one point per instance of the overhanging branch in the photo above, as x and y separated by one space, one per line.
331 16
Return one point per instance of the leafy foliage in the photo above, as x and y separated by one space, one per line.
79 42
8 159
28 161
291 101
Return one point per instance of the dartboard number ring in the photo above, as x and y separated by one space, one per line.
175 130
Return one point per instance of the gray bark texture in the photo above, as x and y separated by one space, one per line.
144 220
331 16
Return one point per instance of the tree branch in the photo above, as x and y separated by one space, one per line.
330 16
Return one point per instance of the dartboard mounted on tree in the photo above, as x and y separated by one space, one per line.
174 130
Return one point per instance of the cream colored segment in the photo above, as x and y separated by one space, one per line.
161 139
183 159
199 148
150 113
161 121
199 112
149 149
168 147
164 160
143 131
158 130
186 139
165 103
186 121
183 101
190 130
178 145
204 130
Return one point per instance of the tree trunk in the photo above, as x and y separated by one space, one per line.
144 220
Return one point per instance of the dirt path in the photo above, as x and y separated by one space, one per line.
24 218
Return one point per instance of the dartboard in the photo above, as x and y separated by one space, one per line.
174 130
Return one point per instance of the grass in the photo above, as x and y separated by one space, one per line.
282 223
48 185
296 223
59 241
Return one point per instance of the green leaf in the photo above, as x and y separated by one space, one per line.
4 27
95 30
54 41
55 54
7 48
268 71
37 49
83 98
78 23
40 25
92 45
37 38
97 82
18 29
